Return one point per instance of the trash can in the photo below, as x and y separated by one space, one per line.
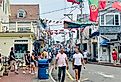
43 71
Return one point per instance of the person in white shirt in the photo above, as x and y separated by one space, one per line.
85 56
62 62
77 63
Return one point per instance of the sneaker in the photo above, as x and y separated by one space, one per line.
29 72
24 72
16 72
35 72
32 73
79 81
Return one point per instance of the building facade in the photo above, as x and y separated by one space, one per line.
110 30
23 29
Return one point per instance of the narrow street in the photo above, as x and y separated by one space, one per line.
36 36
99 73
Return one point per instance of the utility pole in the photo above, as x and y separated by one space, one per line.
70 16
89 42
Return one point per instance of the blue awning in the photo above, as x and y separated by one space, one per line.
104 42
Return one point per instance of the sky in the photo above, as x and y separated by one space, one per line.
50 5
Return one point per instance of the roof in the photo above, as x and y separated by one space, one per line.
32 12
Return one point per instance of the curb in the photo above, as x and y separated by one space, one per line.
105 64
50 74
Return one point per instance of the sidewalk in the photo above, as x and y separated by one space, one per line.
105 64
12 77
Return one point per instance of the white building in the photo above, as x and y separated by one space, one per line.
23 29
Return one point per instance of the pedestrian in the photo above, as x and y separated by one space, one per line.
120 56
27 62
49 56
85 56
12 61
45 54
0 58
62 62
33 62
114 56
77 63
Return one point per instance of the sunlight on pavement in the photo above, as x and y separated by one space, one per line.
85 79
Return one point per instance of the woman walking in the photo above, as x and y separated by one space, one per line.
77 63
114 56
33 61
27 61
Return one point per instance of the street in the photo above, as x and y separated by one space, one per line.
99 73
92 73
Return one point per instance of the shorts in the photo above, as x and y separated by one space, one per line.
78 67
33 63
85 58
49 60
27 63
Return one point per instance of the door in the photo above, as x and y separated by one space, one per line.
20 50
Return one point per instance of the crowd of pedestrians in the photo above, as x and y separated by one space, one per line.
29 59
61 63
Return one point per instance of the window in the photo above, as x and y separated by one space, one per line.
117 19
110 19
21 13
102 20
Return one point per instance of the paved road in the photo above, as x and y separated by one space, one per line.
99 73
55 76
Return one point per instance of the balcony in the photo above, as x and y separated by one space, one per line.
24 29
21 29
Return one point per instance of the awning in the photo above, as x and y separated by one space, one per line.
104 42
68 24
94 34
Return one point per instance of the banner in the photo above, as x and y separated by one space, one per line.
117 5
93 5
75 1
102 4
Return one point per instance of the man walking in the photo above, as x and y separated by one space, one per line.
85 56
62 62
12 60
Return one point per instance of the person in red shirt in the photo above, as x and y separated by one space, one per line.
114 56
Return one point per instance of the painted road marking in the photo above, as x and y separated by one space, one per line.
50 74
70 76
85 79
105 75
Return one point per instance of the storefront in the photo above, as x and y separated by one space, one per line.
21 42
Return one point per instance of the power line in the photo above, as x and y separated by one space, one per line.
58 10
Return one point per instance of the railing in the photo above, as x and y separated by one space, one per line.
24 29
21 29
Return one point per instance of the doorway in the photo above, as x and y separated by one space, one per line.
20 50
